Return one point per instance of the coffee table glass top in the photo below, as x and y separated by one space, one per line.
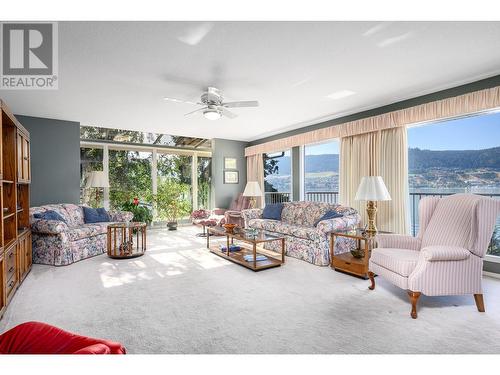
258 235
355 233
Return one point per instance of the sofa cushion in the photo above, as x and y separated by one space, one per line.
400 261
95 215
272 211
307 213
330 214
49 215
87 230
71 213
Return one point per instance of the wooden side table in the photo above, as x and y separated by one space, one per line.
126 240
346 262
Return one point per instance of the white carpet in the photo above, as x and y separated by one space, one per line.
179 298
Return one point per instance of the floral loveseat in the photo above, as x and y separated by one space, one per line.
304 240
58 243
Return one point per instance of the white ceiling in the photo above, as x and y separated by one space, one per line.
115 74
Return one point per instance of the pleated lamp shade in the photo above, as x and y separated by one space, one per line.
372 188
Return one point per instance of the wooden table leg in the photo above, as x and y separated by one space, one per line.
208 239
227 249
254 255
332 246
283 249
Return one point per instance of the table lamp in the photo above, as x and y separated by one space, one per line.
252 190
372 189
97 180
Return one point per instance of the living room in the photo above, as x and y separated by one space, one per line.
233 185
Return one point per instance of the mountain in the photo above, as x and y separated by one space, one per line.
314 164
454 159
419 160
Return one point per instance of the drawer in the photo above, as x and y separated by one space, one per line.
10 257
11 270
351 267
10 285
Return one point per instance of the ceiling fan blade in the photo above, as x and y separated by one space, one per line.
196 110
181 101
228 113
247 103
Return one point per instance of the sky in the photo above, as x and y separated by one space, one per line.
470 133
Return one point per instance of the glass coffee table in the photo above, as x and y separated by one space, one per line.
247 256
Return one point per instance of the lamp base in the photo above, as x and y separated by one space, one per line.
252 202
371 210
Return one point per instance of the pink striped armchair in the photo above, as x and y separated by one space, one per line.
446 258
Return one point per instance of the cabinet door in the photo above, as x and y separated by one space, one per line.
19 157
28 253
26 160
3 301
20 258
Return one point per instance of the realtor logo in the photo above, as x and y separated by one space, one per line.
29 56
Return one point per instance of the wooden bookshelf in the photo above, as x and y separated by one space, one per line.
15 233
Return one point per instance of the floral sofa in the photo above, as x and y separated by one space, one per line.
304 240
58 243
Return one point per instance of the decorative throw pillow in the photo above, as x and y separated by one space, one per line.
272 211
49 215
331 214
95 215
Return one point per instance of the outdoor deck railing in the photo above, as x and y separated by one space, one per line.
333 197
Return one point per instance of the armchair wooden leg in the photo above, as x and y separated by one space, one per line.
479 302
371 275
413 299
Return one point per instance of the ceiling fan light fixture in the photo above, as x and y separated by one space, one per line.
212 114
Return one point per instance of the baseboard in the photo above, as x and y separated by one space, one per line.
491 274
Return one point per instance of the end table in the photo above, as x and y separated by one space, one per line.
346 262
121 240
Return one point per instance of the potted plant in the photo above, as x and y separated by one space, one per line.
142 213
172 201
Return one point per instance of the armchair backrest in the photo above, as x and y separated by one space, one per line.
464 220
240 203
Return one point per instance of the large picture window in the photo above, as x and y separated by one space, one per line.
459 155
278 177
321 172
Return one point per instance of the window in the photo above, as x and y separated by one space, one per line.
174 184
321 172
204 173
91 159
129 177
277 177
459 155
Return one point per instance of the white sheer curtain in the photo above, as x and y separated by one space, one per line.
255 172
381 153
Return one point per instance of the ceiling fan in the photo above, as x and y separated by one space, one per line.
213 105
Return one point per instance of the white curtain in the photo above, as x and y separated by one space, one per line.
381 153
255 172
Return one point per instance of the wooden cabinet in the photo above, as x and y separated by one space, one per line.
23 158
15 234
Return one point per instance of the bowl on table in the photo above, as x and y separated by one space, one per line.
229 227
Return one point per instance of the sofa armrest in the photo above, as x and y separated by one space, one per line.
49 226
339 223
397 241
251 213
444 253
121 216
218 211
233 213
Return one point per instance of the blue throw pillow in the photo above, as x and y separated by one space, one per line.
49 215
272 211
95 215
331 214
